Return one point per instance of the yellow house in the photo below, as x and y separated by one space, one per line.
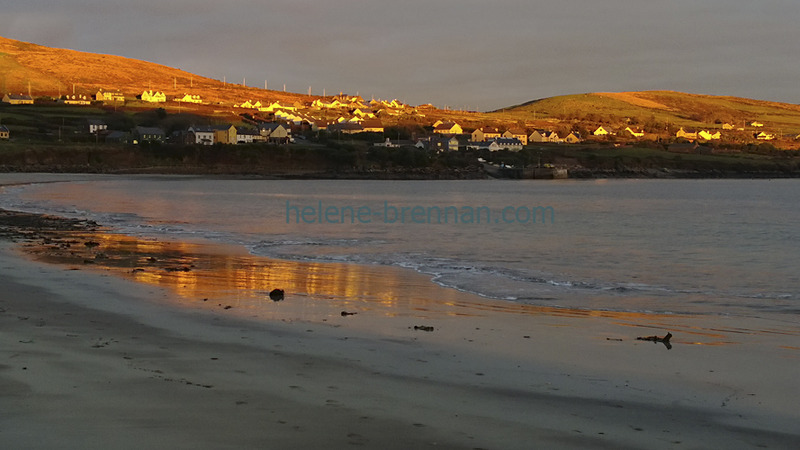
686 134
635 132
756 124
728 126
448 128
708 136
372 126
275 132
189 98
517 134
272 107
602 131
21 99
225 134
76 99
153 97
539 136
364 113
764 136
573 138
484 134
106 96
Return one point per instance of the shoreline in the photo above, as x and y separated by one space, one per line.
578 173
105 361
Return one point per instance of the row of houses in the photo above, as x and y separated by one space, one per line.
488 134
443 143
275 133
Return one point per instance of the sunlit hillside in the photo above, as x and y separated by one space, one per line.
44 71
663 107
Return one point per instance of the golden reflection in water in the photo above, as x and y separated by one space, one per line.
221 275
197 272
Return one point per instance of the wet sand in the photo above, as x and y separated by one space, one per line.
144 344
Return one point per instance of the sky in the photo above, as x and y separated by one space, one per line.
462 54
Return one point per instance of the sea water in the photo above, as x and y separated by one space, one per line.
722 247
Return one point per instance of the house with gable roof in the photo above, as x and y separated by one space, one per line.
635 132
153 97
18 99
512 144
689 134
189 98
372 126
275 132
484 134
709 136
148 135
603 131
544 136
96 125
517 134
448 128
225 134
573 138
200 135
76 99
106 96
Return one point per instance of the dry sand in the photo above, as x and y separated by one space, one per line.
91 360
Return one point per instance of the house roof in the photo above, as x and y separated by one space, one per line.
446 126
19 97
347 126
4 128
373 123
271 126
201 129
508 141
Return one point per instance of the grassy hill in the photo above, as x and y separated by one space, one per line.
49 71
662 108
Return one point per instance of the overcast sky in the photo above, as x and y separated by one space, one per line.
480 55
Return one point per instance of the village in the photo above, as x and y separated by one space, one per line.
351 116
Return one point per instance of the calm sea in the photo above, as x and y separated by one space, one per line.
665 246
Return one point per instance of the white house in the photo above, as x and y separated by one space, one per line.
96 125
201 135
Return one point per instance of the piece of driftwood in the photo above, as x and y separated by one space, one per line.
423 328
345 314
664 340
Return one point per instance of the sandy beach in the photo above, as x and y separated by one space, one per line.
93 358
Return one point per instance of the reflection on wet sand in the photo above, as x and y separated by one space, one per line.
214 276
199 272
